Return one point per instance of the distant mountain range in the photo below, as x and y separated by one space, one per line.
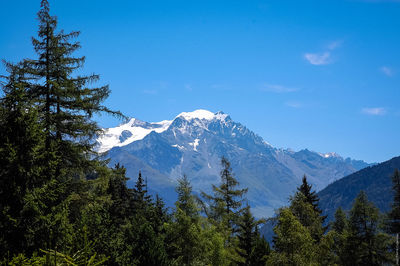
193 144
375 181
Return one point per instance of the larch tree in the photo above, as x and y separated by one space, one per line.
226 201
66 101
365 245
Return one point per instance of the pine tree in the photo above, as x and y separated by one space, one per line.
226 203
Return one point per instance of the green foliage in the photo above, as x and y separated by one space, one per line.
21 147
61 205
251 248
225 204
312 198
364 243
293 242
307 215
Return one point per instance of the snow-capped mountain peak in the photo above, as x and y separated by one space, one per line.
202 114
135 129
330 155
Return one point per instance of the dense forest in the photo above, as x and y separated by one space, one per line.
61 204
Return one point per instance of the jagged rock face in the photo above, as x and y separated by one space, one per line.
193 144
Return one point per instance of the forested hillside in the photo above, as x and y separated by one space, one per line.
374 180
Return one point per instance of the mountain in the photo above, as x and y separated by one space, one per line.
374 180
193 144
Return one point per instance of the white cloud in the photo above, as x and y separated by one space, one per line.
323 58
318 58
278 88
374 111
294 104
387 71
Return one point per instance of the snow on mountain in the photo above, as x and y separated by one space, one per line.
136 129
193 144
203 115
129 132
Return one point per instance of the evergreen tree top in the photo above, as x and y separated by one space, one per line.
311 197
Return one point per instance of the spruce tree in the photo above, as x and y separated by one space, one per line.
252 248
307 216
141 200
21 148
246 236
312 198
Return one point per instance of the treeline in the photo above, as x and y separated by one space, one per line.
60 204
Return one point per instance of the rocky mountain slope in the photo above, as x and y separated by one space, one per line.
193 143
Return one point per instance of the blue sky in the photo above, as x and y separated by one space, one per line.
322 75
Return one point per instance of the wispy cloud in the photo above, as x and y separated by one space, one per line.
323 58
318 58
374 111
278 88
294 104
387 71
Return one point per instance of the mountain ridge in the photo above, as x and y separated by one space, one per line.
374 180
193 143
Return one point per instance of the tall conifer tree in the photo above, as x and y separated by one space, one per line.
312 198
226 203
65 100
